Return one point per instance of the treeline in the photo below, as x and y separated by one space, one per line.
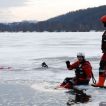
81 20
23 26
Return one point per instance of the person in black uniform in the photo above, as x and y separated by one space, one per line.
102 68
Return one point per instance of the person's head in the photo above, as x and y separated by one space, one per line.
44 64
81 57
103 20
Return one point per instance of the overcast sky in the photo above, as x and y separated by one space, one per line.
18 10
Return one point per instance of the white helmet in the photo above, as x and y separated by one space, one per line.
81 55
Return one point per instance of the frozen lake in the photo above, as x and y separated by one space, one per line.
27 84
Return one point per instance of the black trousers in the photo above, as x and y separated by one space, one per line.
75 81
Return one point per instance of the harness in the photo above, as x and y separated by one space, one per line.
79 72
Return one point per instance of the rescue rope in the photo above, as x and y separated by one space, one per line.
93 79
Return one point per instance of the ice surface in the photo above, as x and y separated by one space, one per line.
26 83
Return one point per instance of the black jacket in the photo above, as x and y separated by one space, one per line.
103 45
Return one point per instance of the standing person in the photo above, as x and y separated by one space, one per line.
83 72
102 68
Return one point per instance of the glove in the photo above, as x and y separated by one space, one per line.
68 64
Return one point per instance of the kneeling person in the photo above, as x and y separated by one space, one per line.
83 72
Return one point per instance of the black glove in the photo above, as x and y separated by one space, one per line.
68 64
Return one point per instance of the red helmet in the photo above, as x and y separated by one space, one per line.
103 18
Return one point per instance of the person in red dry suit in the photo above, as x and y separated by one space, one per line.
83 72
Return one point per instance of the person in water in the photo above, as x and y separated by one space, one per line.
83 72
102 65
44 65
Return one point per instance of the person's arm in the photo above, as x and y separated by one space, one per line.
72 66
88 70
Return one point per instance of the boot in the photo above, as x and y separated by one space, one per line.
62 84
68 86
101 81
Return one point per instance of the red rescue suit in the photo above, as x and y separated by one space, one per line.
84 68
83 71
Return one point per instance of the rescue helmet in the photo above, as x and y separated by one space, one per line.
81 55
103 18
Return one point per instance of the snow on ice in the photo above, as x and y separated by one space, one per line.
27 84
